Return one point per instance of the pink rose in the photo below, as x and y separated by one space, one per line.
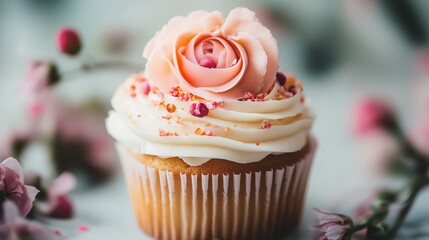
212 57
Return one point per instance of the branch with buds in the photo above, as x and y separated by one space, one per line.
377 115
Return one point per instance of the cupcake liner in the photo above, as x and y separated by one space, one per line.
253 205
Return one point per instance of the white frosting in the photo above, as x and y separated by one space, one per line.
236 129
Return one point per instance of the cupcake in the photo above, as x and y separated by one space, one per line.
213 140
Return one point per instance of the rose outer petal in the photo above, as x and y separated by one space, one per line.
242 20
14 165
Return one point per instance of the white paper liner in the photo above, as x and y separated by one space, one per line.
258 205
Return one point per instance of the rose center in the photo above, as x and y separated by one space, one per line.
214 52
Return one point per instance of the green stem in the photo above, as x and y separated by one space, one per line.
103 65
418 185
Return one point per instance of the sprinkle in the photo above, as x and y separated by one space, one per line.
133 87
138 115
139 78
170 108
285 93
199 131
167 116
260 97
266 124
227 129
185 96
179 120
145 87
82 228
164 133
133 95
57 232
175 91
281 78
198 109
214 104
292 89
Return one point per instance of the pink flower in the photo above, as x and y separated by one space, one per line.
370 114
81 141
68 41
14 226
57 204
379 151
212 57
419 134
40 77
12 186
331 226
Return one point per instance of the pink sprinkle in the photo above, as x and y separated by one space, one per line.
207 63
145 88
82 228
57 232
266 124
214 104
138 115
198 109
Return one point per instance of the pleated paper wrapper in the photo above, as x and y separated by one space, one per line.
253 205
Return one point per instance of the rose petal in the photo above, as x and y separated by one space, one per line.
32 192
14 165
242 20
62 185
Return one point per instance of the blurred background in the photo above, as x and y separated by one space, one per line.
343 51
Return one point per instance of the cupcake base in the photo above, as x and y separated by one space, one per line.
219 199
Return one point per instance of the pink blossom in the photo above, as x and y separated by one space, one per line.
379 151
68 41
14 226
370 114
331 226
419 134
12 186
57 203
81 140
40 77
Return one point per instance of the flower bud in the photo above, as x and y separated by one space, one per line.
372 114
68 41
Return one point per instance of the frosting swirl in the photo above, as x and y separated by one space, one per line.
210 92
241 131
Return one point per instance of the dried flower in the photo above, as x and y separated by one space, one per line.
56 203
371 114
266 124
12 186
331 226
68 41
198 109
16 227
